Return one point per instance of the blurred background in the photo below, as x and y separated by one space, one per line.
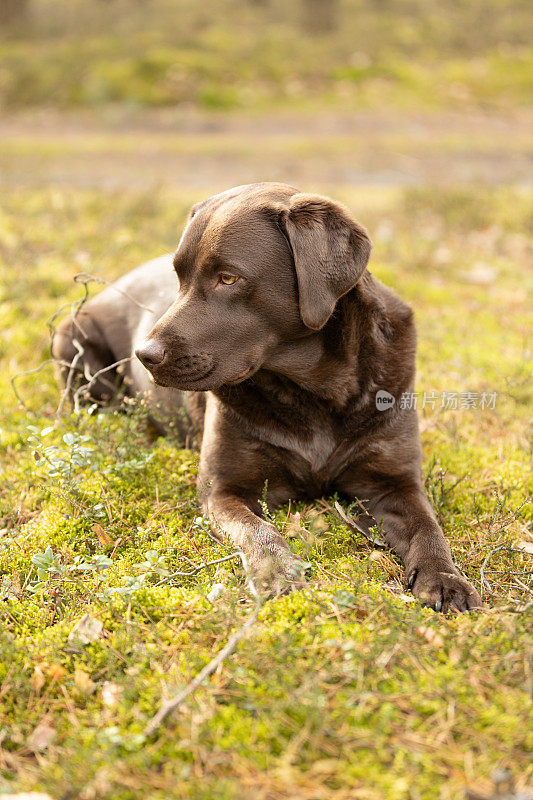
113 93
117 115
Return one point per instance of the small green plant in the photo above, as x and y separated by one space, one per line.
52 570
112 735
153 563
62 462
263 502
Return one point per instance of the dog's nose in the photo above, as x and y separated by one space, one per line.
150 353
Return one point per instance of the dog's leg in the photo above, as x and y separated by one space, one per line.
270 559
411 529
235 472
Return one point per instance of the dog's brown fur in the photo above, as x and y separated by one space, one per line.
280 371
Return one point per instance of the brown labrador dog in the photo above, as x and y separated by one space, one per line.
278 343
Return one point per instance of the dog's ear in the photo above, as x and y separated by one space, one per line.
330 252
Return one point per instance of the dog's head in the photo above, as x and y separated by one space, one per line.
259 267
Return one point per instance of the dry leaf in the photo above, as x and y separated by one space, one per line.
9 590
431 636
527 547
37 680
83 682
105 539
396 589
216 591
406 598
42 736
87 630
317 524
55 672
357 527
293 526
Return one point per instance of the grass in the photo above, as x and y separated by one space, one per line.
231 54
346 689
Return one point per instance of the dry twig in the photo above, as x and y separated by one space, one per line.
509 549
200 567
85 279
373 538
173 703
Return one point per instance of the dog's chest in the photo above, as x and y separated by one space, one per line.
300 427
314 444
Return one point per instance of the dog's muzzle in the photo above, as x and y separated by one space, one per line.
169 368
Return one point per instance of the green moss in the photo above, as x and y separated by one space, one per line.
341 689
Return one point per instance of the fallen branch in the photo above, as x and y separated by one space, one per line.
86 277
70 376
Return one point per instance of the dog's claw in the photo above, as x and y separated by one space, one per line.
412 579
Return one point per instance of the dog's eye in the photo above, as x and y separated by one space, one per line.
226 278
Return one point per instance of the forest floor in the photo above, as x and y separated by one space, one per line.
347 688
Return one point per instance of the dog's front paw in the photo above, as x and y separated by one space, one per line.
442 588
274 568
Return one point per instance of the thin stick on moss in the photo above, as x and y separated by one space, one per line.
484 581
199 567
173 703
